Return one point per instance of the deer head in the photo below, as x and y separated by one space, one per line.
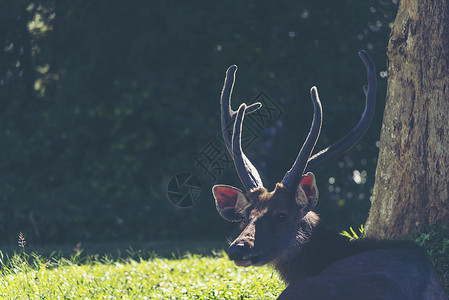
281 220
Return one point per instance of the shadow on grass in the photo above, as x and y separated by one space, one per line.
130 250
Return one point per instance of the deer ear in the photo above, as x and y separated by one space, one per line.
307 193
230 201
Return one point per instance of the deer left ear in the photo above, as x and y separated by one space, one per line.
230 201
307 193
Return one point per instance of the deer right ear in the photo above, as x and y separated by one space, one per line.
307 193
230 201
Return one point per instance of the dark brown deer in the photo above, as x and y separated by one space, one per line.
281 229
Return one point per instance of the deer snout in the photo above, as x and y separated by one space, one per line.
238 251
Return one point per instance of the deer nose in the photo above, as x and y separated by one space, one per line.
238 251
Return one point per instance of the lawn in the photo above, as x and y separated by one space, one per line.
30 276
179 270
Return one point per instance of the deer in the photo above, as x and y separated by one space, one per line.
281 229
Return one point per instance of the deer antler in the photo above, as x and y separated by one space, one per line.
233 120
293 176
360 129
304 163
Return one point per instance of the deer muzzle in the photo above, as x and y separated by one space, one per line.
242 255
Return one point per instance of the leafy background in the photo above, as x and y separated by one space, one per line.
102 102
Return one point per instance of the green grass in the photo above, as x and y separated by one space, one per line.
26 276
171 274
353 235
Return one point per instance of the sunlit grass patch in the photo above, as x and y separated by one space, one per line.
192 277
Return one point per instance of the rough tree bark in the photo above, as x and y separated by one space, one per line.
412 176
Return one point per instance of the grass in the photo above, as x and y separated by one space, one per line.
33 276
353 235
76 273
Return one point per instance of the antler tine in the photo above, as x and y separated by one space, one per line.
246 171
294 175
227 114
362 126
230 121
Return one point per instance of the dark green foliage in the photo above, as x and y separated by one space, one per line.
435 239
102 102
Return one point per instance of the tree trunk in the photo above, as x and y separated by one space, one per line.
412 177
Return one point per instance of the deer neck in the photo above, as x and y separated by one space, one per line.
315 249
